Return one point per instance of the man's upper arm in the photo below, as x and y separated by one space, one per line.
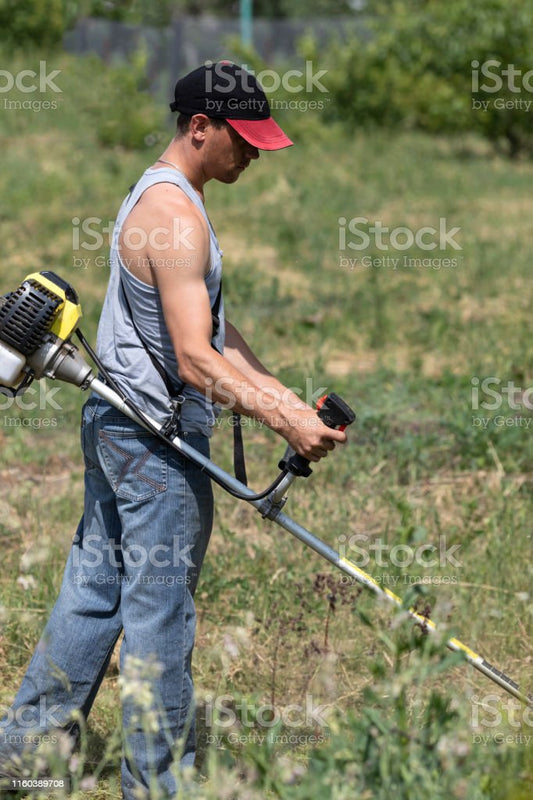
179 254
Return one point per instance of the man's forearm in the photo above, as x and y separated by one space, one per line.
222 381
240 355
239 381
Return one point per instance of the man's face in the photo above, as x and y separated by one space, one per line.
228 154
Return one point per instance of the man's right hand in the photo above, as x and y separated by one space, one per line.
306 433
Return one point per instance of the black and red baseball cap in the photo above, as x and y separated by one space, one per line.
223 90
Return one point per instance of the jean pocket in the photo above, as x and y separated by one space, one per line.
135 463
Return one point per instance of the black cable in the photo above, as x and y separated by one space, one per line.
109 380
113 385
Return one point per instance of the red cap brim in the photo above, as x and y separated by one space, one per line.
265 134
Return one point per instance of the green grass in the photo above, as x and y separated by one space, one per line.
276 624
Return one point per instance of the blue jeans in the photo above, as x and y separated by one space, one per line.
133 566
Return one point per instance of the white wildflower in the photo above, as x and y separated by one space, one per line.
27 582
88 784
137 679
37 554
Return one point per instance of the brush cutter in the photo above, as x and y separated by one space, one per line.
37 322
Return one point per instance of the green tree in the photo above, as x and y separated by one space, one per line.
146 12
416 67
159 12
28 22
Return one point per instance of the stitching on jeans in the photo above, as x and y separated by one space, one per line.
129 460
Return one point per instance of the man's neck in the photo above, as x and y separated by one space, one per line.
185 161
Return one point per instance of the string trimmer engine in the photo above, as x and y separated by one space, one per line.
36 323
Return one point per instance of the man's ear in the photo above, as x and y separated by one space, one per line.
198 127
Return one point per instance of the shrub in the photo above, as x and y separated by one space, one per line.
33 22
415 67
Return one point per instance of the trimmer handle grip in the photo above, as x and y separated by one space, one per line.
334 413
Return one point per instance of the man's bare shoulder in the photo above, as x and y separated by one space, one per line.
166 200
164 228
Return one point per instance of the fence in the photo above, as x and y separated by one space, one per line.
190 41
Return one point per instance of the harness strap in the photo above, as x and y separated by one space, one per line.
171 427
239 463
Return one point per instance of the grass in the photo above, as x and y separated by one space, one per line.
403 345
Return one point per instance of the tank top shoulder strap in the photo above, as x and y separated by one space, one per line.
152 177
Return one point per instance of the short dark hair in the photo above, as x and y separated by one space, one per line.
184 120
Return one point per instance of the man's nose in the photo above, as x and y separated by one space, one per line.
252 152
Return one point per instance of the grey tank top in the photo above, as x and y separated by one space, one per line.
118 343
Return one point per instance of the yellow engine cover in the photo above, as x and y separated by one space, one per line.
69 313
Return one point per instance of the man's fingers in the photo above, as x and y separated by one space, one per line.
321 452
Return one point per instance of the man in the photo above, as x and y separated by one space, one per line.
147 518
